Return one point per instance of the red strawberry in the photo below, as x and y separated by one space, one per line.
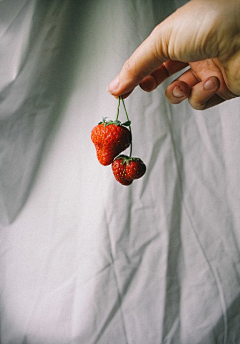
110 138
126 169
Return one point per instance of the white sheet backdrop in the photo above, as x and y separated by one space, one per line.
84 260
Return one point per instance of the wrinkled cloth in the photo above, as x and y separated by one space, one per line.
83 259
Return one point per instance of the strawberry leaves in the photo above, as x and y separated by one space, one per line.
115 122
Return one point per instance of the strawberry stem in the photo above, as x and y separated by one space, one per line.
127 120
118 108
125 109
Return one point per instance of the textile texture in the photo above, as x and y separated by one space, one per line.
83 259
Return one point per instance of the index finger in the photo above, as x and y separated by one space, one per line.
143 61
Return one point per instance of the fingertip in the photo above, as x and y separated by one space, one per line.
177 92
117 88
203 93
211 84
113 86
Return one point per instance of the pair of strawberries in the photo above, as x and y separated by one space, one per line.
110 139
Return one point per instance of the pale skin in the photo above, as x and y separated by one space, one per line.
203 35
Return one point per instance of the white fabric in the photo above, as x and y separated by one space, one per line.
84 260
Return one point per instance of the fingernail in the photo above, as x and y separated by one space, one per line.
113 86
177 92
210 84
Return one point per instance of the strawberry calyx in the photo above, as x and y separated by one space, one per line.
127 159
115 122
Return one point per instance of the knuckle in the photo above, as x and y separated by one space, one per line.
163 46
156 31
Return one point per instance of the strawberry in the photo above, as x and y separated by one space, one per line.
126 169
110 138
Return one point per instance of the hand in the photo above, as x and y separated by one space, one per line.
202 34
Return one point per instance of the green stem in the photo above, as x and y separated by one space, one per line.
118 108
125 108
129 125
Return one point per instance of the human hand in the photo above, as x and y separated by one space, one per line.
202 34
